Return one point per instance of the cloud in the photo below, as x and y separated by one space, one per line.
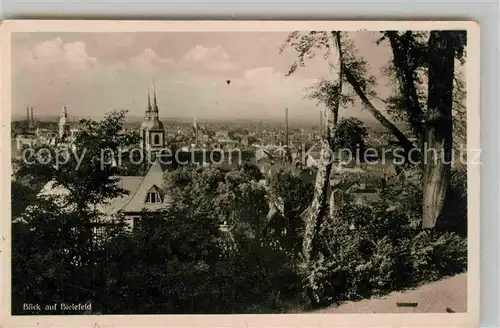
270 81
71 55
149 62
200 53
259 92
48 50
213 58
75 54
55 55
196 83
221 66
263 75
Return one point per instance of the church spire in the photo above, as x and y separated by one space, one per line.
148 109
155 105
149 101
152 129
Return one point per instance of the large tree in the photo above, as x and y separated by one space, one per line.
316 211
414 67
438 127
355 73
351 134
54 246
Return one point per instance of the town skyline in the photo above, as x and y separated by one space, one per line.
159 169
195 74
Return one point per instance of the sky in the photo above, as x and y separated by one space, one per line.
93 73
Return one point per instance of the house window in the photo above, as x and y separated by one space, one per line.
153 197
99 231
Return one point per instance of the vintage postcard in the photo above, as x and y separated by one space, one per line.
240 173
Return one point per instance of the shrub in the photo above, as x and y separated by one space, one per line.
368 249
454 214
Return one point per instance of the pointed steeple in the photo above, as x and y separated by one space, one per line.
152 129
148 109
155 105
149 101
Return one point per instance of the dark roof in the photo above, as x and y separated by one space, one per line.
152 124
110 206
137 202
136 187
128 183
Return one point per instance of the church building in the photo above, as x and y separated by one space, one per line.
64 126
143 193
152 130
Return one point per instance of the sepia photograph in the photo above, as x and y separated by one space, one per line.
255 168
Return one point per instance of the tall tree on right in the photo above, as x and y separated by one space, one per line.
438 125
427 94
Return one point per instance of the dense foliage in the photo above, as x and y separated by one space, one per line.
296 195
178 261
372 248
217 249
351 134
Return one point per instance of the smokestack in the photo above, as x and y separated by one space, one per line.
321 122
286 126
27 113
195 125
32 118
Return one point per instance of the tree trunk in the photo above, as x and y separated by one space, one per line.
438 131
406 81
319 202
405 143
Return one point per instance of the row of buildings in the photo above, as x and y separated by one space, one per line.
33 134
145 193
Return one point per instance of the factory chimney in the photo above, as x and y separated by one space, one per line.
321 123
286 126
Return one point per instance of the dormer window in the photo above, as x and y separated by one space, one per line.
153 197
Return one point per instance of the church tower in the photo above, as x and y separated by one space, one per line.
152 129
64 124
